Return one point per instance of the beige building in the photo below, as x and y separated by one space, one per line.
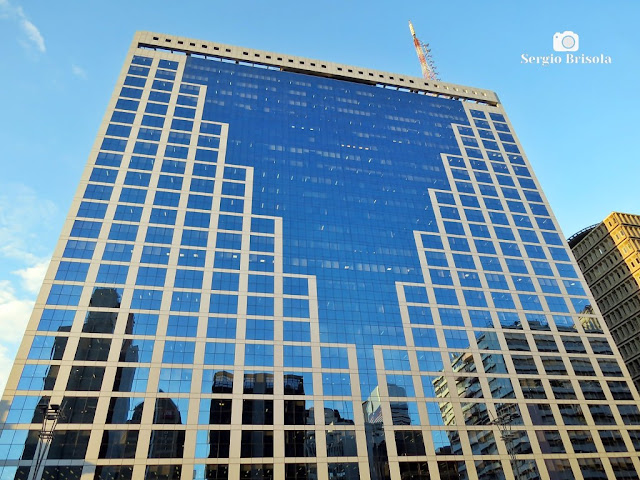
609 256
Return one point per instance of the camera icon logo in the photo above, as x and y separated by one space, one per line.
566 41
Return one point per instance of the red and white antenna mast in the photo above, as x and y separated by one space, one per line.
424 55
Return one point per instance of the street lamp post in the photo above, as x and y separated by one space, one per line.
504 421
50 417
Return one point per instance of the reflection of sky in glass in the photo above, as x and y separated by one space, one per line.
350 182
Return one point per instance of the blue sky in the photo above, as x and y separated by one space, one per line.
61 59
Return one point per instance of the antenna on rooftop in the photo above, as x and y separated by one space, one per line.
424 55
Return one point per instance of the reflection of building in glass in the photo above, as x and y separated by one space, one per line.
400 413
294 385
441 388
222 382
372 407
333 417
167 412
167 443
261 383
341 443
374 430
278 267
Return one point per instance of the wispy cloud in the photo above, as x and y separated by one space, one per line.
26 221
79 71
17 14
6 362
33 276
32 32
23 217
14 313
14 316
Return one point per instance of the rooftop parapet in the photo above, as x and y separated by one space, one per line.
309 66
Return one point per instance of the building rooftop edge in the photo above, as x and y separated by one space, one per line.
309 66
577 237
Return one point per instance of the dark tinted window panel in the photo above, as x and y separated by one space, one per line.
118 444
78 409
85 378
409 443
166 444
256 444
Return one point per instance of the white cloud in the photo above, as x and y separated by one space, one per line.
15 249
33 276
28 28
33 34
79 71
7 356
25 220
16 308
14 315
28 228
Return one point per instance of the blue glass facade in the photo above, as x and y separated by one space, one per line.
348 168
268 273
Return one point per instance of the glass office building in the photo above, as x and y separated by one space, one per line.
282 268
